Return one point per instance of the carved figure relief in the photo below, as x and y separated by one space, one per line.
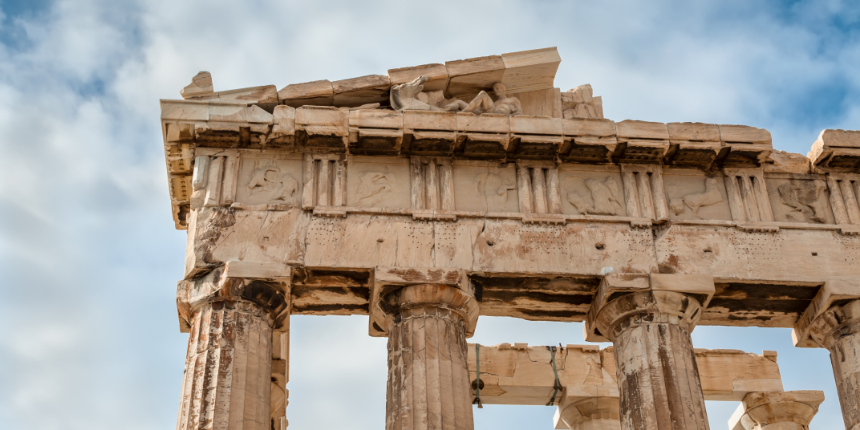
804 199
268 181
503 104
602 197
411 96
373 188
494 188
696 201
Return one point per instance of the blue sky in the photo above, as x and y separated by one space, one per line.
88 254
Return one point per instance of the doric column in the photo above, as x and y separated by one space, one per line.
650 327
789 410
832 321
428 381
599 413
838 330
228 369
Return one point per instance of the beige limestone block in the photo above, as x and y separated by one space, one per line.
319 93
544 103
454 243
264 236
530 70
509 246
360 91
642 130
375 118
598 106
744 134
729 375
250 114
792 256
284 128
588 127
693 131
523 375
436 74
787 162
368 241
195 110
265 96
469 77
201 84
839 149
530 125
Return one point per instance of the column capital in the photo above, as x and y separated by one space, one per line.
654 293
827 311
763 409
648 306
396 290
267 285
602 410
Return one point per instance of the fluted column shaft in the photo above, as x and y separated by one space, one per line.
657 375
600 413
838 330
428 381
228 368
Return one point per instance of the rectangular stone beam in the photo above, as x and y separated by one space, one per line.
519 374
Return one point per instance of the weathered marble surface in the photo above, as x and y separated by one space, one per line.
481 178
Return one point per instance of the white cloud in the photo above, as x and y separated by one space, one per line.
89 256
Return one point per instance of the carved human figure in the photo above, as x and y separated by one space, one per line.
494 188
604 197
410 96
372 189
504 105
268 180
803 198
696 201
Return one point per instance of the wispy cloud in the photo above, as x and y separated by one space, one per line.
88 255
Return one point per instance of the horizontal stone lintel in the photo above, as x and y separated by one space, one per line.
543 272
520 374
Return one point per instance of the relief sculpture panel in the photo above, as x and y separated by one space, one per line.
270 181
694 195
380 182
591 190
800 198
485 186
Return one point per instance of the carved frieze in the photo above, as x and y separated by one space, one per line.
484 187
799 198
591 190
381 182
696 195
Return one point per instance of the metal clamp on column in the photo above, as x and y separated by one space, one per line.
557 384
477 400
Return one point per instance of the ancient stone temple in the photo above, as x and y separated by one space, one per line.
428 197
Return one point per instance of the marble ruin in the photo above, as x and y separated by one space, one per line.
433 195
